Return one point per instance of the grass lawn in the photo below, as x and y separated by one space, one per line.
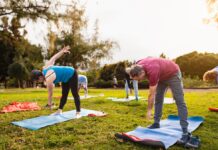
98 133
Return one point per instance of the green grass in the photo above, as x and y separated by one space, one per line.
98 133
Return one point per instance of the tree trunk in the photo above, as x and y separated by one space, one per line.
24 84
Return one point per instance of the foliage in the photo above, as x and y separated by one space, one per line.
196 64
84 51
117 69
18 71
103 84
162 55
15 49
197 83
212 10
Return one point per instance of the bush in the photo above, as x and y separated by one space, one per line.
144 84
109 84
103 84
196 83
121 83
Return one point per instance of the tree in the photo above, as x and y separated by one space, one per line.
212 6
162 55
196 64
15 48
18 71
30 9
84 51
117 69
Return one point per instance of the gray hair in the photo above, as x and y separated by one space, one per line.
128 70
135 70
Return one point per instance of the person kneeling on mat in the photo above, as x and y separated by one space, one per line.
68 76
83 82
162 73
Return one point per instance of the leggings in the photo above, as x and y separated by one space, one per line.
73 85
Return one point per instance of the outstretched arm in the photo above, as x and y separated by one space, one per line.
52 60
151 97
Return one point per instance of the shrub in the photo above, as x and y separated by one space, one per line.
103 84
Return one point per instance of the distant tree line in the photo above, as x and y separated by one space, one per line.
193 65
196 64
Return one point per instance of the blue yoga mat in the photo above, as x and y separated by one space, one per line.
167 135
43 121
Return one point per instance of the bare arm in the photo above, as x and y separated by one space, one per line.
50 77
50 93
151 97
52 60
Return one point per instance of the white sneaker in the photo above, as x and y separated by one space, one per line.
56 113
78 116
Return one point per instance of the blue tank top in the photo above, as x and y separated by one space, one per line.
63 73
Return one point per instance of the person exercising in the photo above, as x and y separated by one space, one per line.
83 82
68 77
162 73
211 75
128 81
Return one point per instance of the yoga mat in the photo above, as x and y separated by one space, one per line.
87 97
43 121
169 132
168 100
115 99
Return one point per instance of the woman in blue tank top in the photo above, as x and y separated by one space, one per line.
55 74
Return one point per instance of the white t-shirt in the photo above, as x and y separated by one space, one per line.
216 69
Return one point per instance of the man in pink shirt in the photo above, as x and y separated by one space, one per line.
161 74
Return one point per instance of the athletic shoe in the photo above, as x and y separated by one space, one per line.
184 139
136 98
154 126
194 142
56 113
78 116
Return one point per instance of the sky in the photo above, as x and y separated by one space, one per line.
149 27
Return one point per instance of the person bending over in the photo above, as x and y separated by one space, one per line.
211 75
127 81
68 77
162 73
83 82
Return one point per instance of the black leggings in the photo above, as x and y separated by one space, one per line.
73 85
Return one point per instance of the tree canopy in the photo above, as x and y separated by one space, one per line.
195 64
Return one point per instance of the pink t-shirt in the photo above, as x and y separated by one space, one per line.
158 69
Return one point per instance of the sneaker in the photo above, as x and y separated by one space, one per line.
154 126
136 98
78 116
52 106
194 142
184 139
56 113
